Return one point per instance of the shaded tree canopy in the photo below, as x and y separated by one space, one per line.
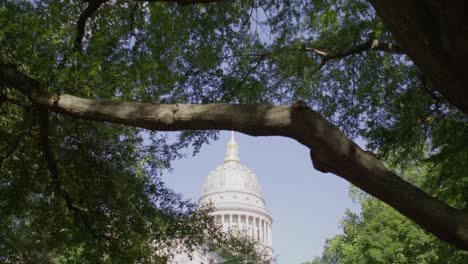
322 73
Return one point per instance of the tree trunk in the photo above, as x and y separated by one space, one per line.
435 35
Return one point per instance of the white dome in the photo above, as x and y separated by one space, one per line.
239 207
238 202
232 176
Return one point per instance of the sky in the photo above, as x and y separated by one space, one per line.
306 205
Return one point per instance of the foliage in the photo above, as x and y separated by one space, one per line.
379 234
109 203
112 206
247 256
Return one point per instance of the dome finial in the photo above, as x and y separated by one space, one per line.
232 150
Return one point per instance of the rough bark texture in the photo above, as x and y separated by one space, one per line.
331 151
434 34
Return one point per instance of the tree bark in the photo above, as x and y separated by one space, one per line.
330 150
434 34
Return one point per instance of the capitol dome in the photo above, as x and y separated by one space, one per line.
232 176
239 206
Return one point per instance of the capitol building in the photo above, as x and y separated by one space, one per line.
239 205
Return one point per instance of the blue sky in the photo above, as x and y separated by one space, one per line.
306 205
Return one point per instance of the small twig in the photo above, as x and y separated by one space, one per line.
138 212
243 55
239 85
319 67
424 85
10 148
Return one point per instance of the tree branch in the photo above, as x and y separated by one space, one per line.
93 5
360 48
244 78
13 101
433 34
43 121
183 2
8 150
330 150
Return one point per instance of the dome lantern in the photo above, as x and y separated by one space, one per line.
232 150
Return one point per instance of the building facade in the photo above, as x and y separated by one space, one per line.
239 205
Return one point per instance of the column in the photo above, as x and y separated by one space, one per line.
225 225
222 219
257 231
249 227
271 234
235 227
252 233
262 234
244 225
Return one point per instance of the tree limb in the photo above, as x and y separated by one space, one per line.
183 2
360 48
8 150
43 121
13 101
81 23
244 78
433 34
330 150
94 5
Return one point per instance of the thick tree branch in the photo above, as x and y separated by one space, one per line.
330 150
433 34
93 5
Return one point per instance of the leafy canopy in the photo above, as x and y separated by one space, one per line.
108 203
